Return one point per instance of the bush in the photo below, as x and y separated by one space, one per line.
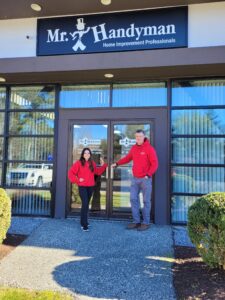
5 214
206 228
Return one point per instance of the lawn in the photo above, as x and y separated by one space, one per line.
21 294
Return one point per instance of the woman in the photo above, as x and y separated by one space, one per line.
82 173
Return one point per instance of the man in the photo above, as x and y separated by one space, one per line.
145 164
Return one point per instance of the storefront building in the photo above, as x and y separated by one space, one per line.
75 75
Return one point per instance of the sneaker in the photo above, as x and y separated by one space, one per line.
133 225
143 227
85 228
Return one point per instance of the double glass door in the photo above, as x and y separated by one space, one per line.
110 141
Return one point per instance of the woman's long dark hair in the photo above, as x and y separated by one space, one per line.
90 161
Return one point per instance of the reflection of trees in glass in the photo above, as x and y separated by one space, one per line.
198 150
103 147
32 123
2 122
197 122
75 198
33 97
2 98
30 148
1 148
89 132
130 130
123 131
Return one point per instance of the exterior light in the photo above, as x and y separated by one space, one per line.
109 75
106 2
2 79
36 7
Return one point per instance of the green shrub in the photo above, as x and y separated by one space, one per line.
206 228
5 214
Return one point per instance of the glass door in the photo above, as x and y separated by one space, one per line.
95 137
111 141
123 138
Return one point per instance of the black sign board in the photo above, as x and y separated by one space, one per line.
140 30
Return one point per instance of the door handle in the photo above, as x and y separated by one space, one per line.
112 173
107 173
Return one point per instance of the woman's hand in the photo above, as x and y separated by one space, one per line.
101 161
81 179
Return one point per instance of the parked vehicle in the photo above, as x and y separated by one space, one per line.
38 175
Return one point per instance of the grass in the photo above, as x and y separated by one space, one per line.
22 294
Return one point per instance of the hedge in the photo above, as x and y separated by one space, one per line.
5 214
206 228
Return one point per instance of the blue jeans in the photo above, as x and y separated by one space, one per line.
85 193
143 185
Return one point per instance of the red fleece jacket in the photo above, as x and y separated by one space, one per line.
78 171
145 161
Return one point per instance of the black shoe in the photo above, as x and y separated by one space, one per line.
85 228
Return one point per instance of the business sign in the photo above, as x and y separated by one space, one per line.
85 142
127 142
149 29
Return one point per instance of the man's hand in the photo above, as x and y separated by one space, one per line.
113 165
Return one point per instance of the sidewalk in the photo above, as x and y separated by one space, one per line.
109 262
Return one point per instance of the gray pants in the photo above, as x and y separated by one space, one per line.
143 185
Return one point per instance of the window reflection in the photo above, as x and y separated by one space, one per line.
30 201
2 122
198 92
34 123
30 148
198 121
180 205
198 180
35 97
198 139
85 96
198 150
1 147
2 97
29 174
140 94
31 112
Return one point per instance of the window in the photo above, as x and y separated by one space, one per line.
84 96
139 94
28 161
198 142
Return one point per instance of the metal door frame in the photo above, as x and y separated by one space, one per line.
161 138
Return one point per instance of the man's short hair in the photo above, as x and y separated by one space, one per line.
140 131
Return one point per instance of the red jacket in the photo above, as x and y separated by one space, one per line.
145 161
78 171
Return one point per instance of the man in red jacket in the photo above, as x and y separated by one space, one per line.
145 164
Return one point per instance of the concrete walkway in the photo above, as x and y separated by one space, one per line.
109 262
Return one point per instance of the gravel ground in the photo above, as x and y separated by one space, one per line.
25 225
109 262
181 237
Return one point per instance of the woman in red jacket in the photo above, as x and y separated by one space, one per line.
82 173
